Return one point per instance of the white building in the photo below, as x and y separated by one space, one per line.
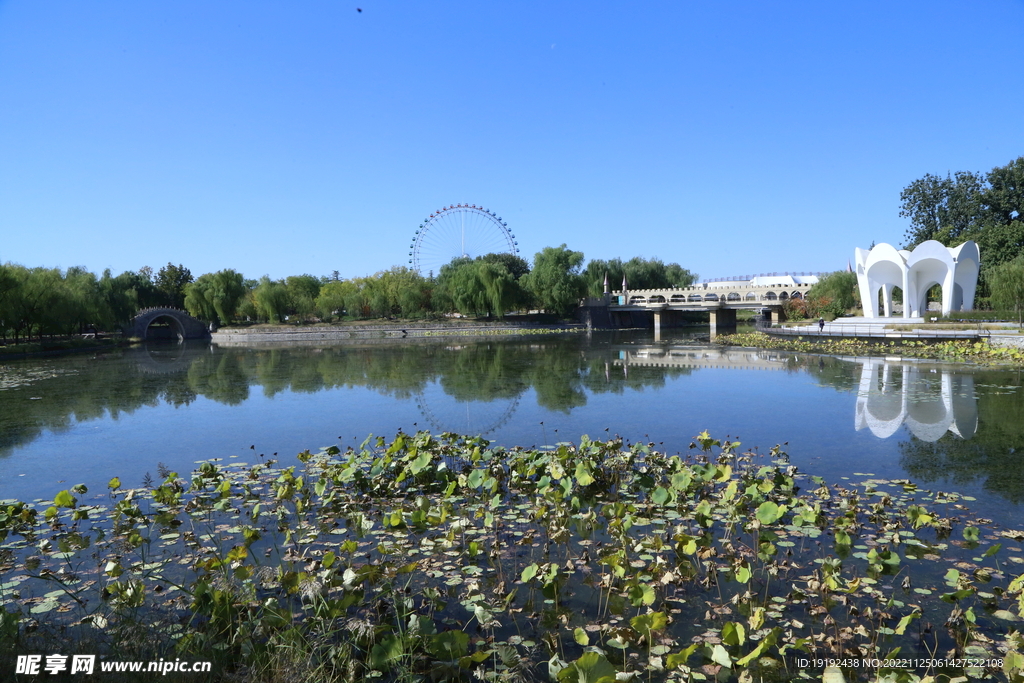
954 269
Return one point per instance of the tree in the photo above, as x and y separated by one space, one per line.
171 281
1004 198
1007 284
945 209
271 299
555 281
988 209
302 293
215 296
515 265
835 294
331 301
640 273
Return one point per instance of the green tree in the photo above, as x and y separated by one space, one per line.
514 264
302 293
834 294
271 299
988 209
1004 198
1007 284
945 209
555 281
640 273
215 296
331 302
171 281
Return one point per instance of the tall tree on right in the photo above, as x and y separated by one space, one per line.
987 208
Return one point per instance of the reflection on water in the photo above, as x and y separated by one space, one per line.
930 400
963 425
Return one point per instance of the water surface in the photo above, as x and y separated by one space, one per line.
140 411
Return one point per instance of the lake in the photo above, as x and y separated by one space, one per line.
136 412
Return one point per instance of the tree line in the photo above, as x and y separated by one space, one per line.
48 301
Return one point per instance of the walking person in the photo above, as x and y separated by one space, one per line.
821 324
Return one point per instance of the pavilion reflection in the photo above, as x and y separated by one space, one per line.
929 400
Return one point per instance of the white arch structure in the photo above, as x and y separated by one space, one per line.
931 263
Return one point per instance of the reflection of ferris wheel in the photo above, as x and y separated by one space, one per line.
458 230
475 418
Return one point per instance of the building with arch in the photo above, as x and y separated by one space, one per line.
914 272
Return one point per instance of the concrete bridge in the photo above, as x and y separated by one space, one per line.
720 299
165 323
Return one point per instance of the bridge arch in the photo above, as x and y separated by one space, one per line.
165 323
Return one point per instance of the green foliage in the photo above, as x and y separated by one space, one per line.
215 297
332 301
484 286
951 207
171 282
271 299
434 555
832 296
1007 285
555 281
987 208
302 293
640 273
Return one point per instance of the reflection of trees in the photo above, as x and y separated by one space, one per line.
993 456
80 388
485 372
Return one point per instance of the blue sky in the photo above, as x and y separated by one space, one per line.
306 137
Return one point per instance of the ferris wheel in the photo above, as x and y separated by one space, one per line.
458 230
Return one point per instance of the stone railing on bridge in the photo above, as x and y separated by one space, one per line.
717 294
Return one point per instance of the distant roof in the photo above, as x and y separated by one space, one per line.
768 280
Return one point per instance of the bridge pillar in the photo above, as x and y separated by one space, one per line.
722 320
778 314
657 323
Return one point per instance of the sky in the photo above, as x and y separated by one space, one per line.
280 138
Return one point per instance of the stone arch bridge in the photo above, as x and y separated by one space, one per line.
166 323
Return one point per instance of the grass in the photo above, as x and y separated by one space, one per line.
438 557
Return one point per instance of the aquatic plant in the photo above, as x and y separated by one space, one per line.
440 557
955 350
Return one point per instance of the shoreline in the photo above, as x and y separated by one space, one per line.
389 330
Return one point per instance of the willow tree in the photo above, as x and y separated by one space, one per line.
215 296
1007 284
271 298
555 281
